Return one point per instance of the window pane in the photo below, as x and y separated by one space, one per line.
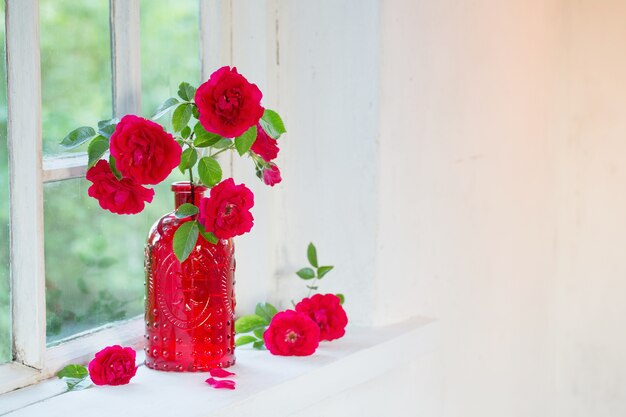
75 68
170 49
94 259
5 308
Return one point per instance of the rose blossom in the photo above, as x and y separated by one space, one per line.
118 196
265 146
228 104
271 175
226 212
292 334
327 312
113 365
143 150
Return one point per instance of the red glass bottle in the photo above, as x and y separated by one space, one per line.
189 306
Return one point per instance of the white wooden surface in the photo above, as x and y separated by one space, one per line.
13 375
215 35
327 78
81 348
126 56
266 385
64 167
24 137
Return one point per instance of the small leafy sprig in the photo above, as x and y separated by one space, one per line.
251 327
76 377
315 273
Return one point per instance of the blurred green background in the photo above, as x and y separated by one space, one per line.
94 259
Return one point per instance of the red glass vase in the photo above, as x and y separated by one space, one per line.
189 306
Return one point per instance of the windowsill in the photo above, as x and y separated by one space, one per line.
266 384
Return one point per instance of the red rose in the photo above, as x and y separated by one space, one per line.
264 145
228 104
327 312
226 212
271 175
118 196
113 365
292 334
143 151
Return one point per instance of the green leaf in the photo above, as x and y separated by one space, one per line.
185 132
107 127
311 253
272 123
342 298
260 345
323 270
265 310
195 112
113 166
222 143
244 340
186 91
77 137
208 236
165 107
306 273
203 138
259 332
73 371
77 384
97 147
244 142
188 159
186 210
246 324
181 117
75 376
185 240
210 171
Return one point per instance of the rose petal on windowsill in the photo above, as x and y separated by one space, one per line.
220 373
221 384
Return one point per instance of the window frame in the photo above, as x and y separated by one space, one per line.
33 360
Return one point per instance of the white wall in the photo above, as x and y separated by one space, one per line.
328 78
508 198
591 196
463 160
467 224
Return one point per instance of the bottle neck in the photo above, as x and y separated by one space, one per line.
185 193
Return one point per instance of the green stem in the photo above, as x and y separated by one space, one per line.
312 285
223 150
193 191
256 162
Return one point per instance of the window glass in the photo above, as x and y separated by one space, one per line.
5 308
75 68
170 49
94 259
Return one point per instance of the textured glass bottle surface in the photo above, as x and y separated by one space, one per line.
189 306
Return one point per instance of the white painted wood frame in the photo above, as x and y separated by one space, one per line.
26 186
126 56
